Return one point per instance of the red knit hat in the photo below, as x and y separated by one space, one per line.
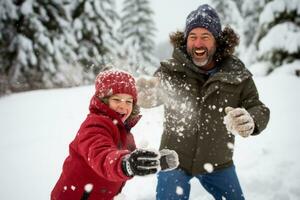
111 82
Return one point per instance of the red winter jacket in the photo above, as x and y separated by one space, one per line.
95 156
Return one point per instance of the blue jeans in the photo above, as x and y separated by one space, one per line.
175 184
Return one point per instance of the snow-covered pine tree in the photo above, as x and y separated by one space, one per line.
137 33
95 29
250 10
8 17
280 22
230 16
39 44
239 4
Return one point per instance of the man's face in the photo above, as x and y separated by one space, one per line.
201 46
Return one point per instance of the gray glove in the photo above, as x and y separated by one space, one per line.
168 159
239 121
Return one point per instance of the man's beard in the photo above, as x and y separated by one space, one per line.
209 54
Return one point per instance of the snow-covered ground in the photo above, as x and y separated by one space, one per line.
37 126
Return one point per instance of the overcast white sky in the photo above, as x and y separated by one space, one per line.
170 16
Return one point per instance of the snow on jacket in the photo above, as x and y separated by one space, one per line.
194 106
95 156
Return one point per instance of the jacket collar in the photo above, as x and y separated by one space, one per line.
98 107
231 70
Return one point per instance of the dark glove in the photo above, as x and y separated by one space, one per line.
141 162
168 159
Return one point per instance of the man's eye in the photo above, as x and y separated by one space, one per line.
129 102
206 37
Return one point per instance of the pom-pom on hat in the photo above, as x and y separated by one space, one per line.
112 82
203 17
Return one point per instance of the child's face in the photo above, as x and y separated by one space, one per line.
122 104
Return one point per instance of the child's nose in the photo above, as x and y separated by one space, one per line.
122 103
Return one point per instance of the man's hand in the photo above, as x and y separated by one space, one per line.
168 159
143 83
147 92
239 121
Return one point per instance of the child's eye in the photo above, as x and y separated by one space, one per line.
116 100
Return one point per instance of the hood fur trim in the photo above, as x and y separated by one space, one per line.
177 39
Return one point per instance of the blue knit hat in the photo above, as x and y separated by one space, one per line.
203 17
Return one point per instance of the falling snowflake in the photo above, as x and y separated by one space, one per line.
73 187
88 187
179 190
208 167
230 145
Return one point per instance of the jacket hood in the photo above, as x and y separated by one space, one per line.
98 107
177 39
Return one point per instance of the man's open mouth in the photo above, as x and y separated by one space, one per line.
200 52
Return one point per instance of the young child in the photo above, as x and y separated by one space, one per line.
103 155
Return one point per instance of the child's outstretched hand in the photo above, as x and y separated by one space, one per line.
141 162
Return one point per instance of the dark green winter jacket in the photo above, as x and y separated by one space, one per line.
194 105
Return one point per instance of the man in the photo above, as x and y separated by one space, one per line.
209 97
